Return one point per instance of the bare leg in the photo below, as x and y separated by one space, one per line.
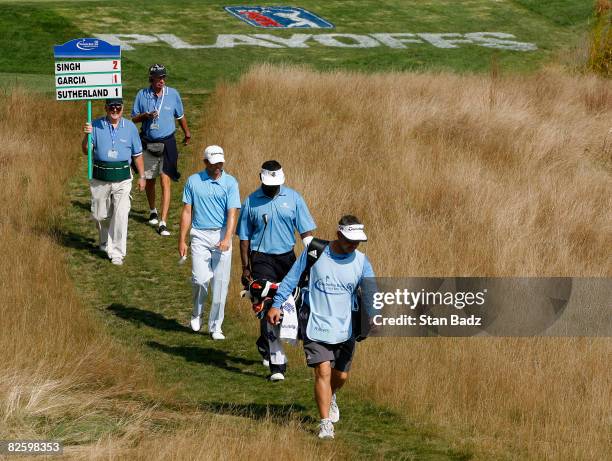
323 389
150 190
338 378
165 187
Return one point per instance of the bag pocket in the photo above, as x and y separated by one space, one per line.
156 148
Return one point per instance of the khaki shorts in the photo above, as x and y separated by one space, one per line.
152 165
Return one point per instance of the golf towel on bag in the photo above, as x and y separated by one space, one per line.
289 325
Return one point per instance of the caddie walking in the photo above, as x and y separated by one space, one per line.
115 143
326 312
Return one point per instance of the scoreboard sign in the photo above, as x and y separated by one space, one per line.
87 68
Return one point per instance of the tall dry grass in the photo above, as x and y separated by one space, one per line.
61 375
453 175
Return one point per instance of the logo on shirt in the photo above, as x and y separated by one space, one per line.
329 287
122 140
282 17
284 205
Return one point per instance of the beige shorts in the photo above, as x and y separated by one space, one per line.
152 165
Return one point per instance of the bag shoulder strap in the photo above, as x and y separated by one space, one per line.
314 251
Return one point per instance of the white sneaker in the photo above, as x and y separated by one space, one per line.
277 377
266 363
326 429
117 261
217 335
195 323
334 411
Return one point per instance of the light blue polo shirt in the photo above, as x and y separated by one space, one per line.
331 292
210 199
169 106
124 139
286 212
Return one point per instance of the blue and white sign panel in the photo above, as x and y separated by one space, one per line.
86 48
279 17
82 72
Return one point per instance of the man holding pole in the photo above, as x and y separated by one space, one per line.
115 143
268 220
157 107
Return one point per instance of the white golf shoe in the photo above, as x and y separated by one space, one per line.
277 377
326 429
334 411
217 336
195 323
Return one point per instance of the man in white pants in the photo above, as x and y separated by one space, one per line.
211 203
115 143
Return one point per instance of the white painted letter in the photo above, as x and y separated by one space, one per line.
438 41
296 40
481 40
232 40
179 44
396 40
363 41
125 41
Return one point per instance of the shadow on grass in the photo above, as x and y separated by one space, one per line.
76 241
138 216
206 356
151 319
278 413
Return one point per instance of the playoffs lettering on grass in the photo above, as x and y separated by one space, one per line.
399 41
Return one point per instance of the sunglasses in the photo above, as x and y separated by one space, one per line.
115 108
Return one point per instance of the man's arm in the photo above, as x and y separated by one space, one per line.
87 128
144 116
245 246
232 219
139 162
286 287
185 128
184 229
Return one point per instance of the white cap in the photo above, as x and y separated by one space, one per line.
353 232
214 154
272 178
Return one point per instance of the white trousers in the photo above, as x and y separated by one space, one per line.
209 263
110 208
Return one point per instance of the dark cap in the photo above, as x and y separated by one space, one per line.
114 102
157 70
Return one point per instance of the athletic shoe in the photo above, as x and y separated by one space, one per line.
326 429
117 261
266 363
334 411
277 377
153 219
163 230
217 335
195 323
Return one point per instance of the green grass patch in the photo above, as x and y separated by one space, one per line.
37 26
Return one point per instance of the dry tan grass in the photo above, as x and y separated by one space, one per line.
60 374
453 175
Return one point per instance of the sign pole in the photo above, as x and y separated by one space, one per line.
89 144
